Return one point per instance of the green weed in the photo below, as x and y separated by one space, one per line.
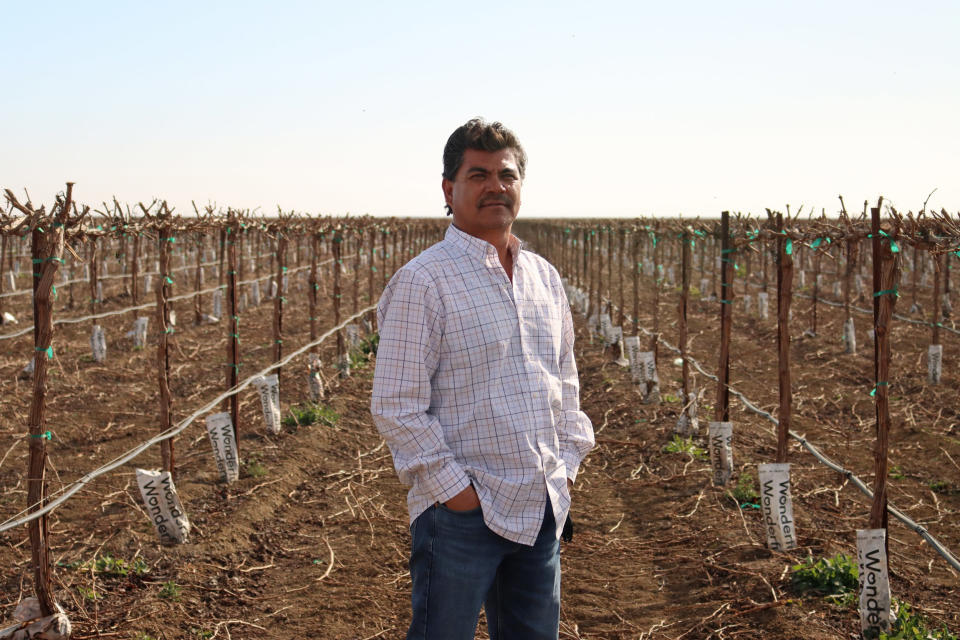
835 576
687 446
89 594
745 491
912 626
361 354
940 486
896 473
170 590
107 565
254 468
357 360
307 414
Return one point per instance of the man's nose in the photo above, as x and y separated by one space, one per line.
496 183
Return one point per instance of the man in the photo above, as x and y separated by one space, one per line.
476 394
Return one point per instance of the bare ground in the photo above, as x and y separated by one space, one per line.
312 541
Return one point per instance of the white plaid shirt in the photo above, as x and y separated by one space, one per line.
475 383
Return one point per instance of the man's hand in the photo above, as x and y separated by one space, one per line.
569 484
463 501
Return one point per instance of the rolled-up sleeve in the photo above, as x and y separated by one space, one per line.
411 322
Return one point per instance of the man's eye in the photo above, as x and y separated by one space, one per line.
477 177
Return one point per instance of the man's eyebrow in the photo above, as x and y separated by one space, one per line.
477 170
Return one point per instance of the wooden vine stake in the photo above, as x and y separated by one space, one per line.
166 327
394 252
850 341
610 253
574 258
278 300
584 260
373 269
713 271
784 298
220 257
658 279
355 276
597 272
687 423
598 279
684 299
817 255
256 260
914 284
3 261
763 270
945 302
722 409
581 260
776 502
232 402
886 271
873 543
721 429
384 232
135 269
315 380
935 346
342 362
198 281
47 252
314 284
635 256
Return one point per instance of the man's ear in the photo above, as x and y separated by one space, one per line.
447 186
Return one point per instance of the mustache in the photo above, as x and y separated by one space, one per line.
501 199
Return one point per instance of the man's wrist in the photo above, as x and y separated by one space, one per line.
446 482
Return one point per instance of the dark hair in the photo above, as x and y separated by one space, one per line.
480 135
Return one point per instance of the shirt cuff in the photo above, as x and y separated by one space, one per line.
572 466
447 482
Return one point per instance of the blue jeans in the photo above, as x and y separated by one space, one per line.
457 564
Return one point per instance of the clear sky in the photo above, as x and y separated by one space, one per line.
625 108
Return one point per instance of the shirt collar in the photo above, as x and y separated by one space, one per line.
477 248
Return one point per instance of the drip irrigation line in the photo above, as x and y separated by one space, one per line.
66 492
150 305
857 482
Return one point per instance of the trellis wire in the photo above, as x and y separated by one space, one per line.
75 486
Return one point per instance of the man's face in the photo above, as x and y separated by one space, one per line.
485 194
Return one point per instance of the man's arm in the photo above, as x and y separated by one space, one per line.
574 430
411 319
